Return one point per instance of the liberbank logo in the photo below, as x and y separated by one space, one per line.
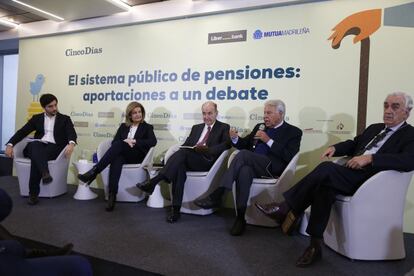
89 50
227 37
259 34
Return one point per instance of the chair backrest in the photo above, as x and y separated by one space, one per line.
103 147
148 160
289 172
106 144
216 166
18 149
171 150
385 184
231 157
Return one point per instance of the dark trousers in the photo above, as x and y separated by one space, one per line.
244 167
319 189
12 262
175 170
117 155
39 153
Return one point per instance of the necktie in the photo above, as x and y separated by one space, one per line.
203 142
374 141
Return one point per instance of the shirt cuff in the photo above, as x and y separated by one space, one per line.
9 144
270 143
72 142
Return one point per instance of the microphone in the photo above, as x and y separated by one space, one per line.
256 140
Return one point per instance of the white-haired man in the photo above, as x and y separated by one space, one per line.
384 146
266 151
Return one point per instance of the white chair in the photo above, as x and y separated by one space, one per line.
265 190
131 174
58 169
369 224
198 183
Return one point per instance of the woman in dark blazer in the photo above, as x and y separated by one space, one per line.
131 143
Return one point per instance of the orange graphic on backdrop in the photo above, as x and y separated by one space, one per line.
362 25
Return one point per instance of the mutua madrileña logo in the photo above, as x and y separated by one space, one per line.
259 34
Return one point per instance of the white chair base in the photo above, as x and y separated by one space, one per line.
127 191
369 224
264 190
199 184
131 175
58 170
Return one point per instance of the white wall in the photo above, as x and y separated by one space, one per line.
10 65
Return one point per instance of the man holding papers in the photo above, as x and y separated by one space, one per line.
198 153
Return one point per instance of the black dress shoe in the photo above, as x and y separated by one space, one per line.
238 227
174 215
33 200
89 176
272 210
311 255
46 178
146 186
207 203
111 202
37 252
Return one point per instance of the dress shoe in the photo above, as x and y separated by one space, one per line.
207 203
111 202
33 200
89 176
311 255
272 210
46 177
36 253
146 186
290 223
174 215
238 227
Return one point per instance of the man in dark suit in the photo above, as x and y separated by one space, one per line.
209 139
385 146
266 151
54 132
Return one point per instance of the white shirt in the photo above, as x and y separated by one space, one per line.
203 133
382 142
132 131
49 126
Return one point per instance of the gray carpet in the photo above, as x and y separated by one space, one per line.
138 236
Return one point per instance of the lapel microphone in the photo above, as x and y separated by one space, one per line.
256 140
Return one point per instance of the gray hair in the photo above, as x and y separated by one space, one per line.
407 98
278 105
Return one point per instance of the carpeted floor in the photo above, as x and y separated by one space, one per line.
100 267
137 236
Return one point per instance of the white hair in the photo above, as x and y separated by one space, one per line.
278 105
407 98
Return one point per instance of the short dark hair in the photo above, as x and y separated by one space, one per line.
46 99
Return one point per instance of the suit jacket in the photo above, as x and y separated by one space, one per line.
63 131
397 153
144 136
286 144
218 140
